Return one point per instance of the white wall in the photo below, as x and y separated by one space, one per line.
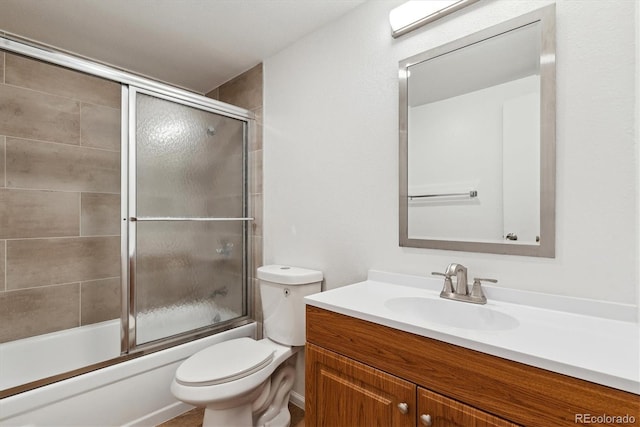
331 151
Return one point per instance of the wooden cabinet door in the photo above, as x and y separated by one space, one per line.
341 392
435 410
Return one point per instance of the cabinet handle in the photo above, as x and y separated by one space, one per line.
404 408
425 420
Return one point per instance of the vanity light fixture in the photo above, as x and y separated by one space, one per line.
416 13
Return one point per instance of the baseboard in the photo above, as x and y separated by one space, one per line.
297 399
158 417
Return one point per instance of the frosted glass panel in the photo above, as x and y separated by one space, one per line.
189 161
189 275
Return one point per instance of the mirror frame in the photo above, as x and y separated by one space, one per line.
546 248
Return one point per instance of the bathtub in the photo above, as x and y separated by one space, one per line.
132 393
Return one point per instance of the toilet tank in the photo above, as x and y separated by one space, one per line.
282 290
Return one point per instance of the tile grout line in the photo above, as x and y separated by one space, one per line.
4 182
66 144
80 125
63 237
79 303
61 191
55 95
80 214
53 285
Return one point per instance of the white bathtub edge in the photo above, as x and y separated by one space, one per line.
100 395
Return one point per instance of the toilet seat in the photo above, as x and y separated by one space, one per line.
225 362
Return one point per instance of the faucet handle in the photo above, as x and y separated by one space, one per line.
448 285
479 279
476 290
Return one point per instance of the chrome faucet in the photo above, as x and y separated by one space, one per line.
461 291
460 271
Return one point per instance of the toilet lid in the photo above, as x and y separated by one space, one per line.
224 362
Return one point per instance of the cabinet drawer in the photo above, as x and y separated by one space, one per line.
435 410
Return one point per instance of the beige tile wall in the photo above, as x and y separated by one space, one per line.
246 91
59 198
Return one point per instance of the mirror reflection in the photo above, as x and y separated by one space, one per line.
474 138
474 141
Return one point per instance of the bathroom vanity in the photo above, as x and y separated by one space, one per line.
368 365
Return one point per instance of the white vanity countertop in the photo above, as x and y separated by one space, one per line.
591 340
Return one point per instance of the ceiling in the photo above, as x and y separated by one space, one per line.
194 44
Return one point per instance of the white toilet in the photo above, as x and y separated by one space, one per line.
244 382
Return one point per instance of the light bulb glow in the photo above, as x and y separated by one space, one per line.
414 13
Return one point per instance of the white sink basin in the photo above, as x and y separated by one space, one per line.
455 314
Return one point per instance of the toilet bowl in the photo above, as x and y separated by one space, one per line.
231 392
245 382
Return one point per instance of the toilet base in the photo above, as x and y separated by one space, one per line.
274 412
238 416
283 419
241 416
265 406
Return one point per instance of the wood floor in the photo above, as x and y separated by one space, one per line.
193 418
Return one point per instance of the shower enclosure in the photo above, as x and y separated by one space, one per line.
187 218
123 211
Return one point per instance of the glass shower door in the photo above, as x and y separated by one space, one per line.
190 211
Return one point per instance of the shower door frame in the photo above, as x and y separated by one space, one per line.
130 219
131 84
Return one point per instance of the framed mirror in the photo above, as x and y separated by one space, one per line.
477 141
